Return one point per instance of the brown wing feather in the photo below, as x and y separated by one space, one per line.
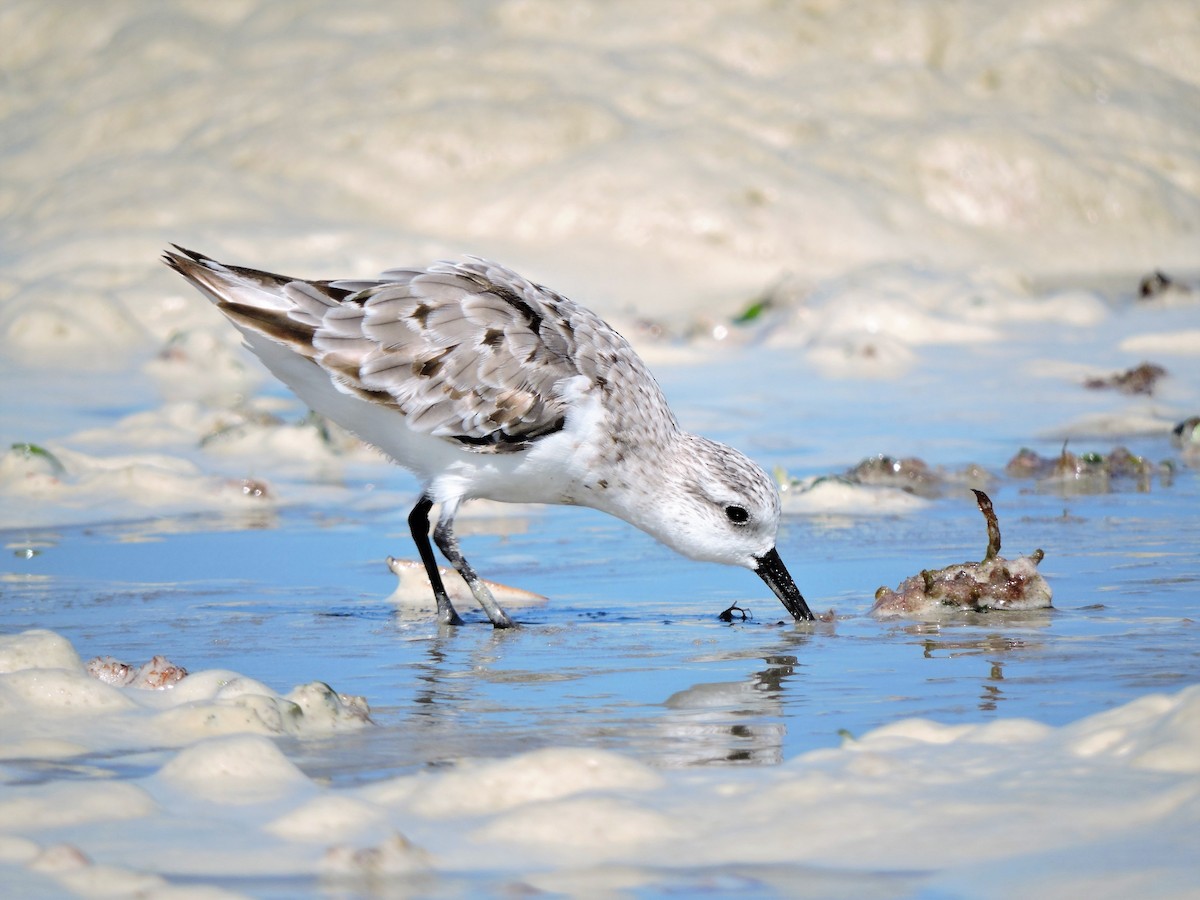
468 351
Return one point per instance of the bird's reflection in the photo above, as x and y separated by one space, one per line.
453 711
729 722
444 678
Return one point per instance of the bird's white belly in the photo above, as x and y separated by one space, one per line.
550 471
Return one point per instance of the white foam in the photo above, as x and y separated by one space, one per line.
239 770
935 801
83 487
42 680
1185 342
675 179
836 496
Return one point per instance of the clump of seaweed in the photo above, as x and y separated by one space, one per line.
1140 379
910 474
756 317
1066 473
915 476
1089 473
995 583
35 453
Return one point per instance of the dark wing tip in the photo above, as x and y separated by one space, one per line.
181 259
185 261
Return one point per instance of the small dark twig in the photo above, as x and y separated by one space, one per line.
727 615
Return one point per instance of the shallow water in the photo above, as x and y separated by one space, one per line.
626 659
628 654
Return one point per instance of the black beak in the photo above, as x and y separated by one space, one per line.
771 569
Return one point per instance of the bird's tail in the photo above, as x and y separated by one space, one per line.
223 283
287 310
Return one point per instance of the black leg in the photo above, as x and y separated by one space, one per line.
443 535
418 523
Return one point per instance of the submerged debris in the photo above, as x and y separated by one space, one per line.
993 584
1138 380
1088 473
158 674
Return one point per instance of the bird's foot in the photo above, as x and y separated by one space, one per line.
448 615
501 619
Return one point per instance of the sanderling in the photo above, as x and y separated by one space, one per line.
484 384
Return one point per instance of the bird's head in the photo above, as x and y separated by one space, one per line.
721 507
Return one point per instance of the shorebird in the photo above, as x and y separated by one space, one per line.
486 385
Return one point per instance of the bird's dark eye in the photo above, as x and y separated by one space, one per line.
737 515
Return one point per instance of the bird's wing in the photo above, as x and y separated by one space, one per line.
468 351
